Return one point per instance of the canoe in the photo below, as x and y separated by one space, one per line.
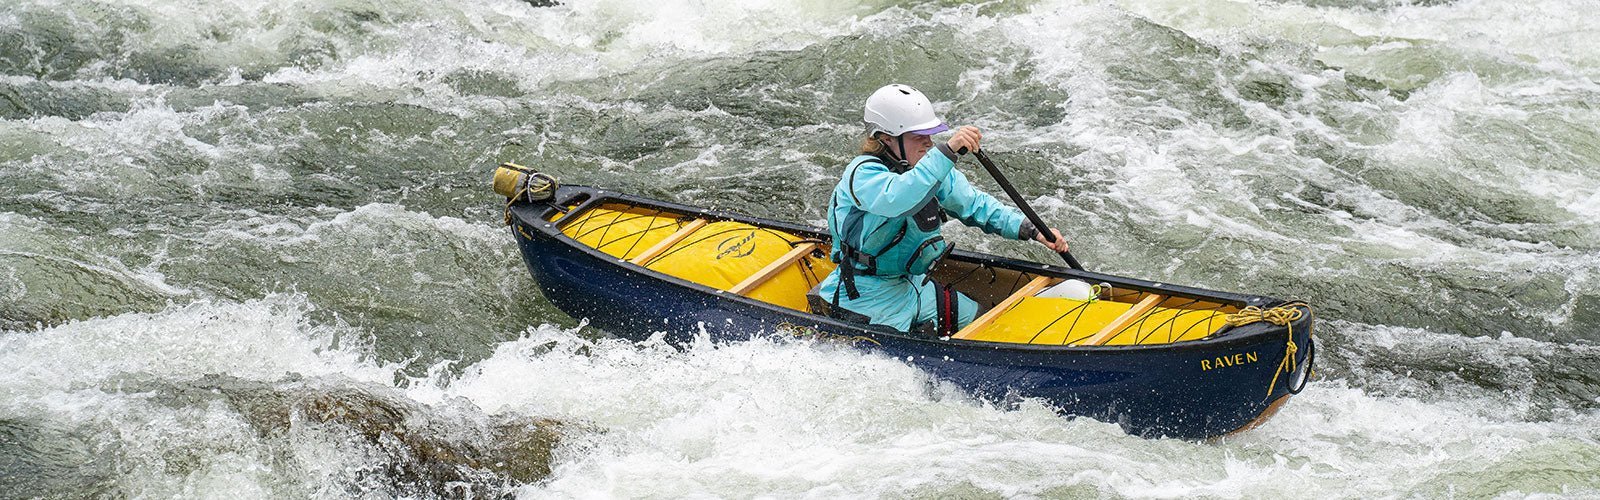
1158 359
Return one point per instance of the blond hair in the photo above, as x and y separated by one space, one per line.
871 145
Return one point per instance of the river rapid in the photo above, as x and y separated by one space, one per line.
248 249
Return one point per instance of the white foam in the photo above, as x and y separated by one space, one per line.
110 153
1556 33
808 420
70 376
1185 175
260 339
363 223
576 40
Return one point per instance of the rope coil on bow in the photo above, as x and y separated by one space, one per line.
1284 315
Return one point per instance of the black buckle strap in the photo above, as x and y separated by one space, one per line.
856 256
847 282
847 275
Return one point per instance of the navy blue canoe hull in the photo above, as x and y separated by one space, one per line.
1191 390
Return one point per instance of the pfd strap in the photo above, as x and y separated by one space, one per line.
847 282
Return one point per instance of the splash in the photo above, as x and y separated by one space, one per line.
805 419
301 410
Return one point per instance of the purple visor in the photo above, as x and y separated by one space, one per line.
941 127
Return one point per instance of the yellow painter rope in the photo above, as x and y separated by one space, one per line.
1284 315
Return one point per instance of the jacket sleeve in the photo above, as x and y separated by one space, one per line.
978 209
880 191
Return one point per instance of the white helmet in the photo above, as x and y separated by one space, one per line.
896 109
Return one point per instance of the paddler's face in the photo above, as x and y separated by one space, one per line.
916 147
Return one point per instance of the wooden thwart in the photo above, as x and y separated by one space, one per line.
662 246
777 266
1033 287
1127 318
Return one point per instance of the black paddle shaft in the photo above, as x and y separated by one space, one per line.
1023 205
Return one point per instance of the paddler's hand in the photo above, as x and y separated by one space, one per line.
1059 246
966 136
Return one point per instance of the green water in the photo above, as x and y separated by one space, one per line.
258 190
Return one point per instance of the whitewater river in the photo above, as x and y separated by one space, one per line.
248 248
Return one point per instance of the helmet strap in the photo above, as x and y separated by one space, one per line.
899 158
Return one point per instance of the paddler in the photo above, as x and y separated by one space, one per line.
886 212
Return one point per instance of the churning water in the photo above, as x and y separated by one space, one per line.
248 248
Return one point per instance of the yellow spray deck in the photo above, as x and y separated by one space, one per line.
764 264
779 268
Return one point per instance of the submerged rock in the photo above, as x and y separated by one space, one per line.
452 449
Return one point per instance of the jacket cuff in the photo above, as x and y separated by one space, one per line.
944 147
1027 232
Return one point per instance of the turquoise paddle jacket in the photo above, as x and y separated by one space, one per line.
885 226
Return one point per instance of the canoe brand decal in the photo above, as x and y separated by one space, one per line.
737 247
1227 361
813 333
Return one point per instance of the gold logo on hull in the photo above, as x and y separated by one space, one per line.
1228 361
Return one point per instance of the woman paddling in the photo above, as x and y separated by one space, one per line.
886 212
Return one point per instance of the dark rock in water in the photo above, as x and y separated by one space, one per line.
449 450
542 3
